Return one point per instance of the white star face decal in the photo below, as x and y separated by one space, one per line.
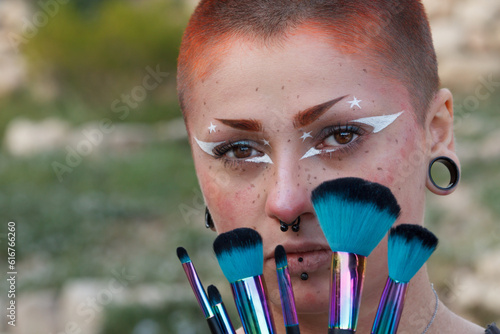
354 102
212 127
306 135
266 142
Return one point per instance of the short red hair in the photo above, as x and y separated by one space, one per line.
395 35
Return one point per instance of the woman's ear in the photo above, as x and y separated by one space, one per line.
439 134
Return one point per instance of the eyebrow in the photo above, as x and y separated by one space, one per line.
243 124
309 115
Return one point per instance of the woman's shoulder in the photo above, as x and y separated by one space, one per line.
492 329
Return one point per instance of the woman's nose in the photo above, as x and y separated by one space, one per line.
288 196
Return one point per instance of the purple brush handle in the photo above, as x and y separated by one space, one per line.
390 307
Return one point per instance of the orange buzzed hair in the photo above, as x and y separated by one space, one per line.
394 35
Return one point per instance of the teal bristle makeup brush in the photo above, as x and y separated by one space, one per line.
220 310
354 215
408 248
198 290
241 258
286 291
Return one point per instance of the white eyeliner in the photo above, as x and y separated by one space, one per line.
208 148
314 151
378 123
263 159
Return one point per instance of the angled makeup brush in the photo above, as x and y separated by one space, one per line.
198 290
241 258
220 310
409 247
354 215
286 292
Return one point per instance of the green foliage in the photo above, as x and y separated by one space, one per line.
86 224
102 55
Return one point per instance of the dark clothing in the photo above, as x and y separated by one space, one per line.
492 329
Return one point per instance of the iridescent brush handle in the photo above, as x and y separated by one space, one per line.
390 307
198 289
201 296
251 303
223 318
346 283
287 301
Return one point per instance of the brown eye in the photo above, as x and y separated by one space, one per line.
242 152
340 136
343 137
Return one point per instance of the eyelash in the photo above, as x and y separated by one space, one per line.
346 148
222 150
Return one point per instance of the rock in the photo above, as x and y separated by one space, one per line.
490 148
481 287
35 312
24 137
80 306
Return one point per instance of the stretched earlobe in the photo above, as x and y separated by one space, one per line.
441 143
438 187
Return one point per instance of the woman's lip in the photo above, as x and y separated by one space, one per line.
311 261
313 258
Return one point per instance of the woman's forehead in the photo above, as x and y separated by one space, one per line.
299 74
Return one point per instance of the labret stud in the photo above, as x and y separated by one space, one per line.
295 225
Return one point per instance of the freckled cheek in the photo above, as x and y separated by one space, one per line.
232 201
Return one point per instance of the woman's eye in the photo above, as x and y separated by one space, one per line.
237 151
241 152
344 137
341 137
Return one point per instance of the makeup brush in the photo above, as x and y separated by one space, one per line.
198 290
354 215
241 258
409 247
220 310
286 291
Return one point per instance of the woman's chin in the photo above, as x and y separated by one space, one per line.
312 295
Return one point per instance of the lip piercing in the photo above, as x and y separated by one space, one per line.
304 276
295 225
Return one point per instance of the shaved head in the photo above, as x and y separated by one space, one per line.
392 36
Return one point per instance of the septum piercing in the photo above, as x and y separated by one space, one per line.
295 225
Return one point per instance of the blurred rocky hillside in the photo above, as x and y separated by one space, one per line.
467 40
466 36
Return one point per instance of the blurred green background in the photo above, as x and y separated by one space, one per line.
98 224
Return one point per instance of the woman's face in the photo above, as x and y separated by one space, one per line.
269 124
